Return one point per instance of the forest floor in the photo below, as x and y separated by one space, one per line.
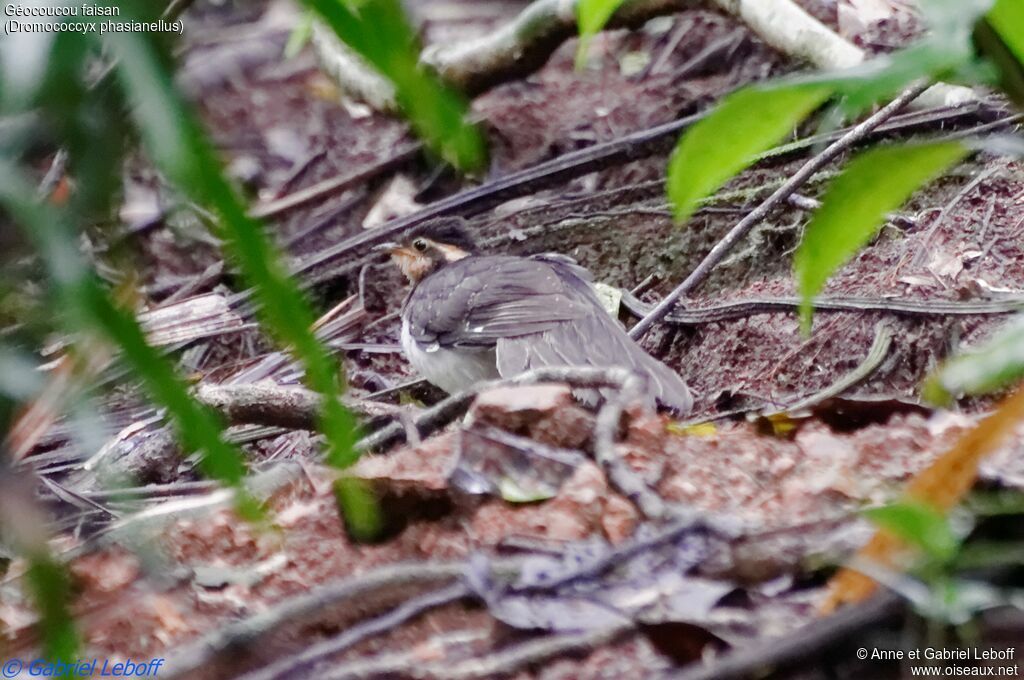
776 495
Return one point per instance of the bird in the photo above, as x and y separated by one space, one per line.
471 317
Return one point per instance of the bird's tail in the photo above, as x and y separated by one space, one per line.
596 341
669 389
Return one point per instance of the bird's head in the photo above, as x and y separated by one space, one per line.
427 249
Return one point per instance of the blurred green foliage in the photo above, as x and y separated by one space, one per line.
591 17
1007 18
995 365
56 100
51 589
919 525
87 307
1000 37
179 148
68 106
950 580
743 125
379 32
753 118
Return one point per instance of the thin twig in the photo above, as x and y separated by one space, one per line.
336 184
234 636
621 477
409 663
703 270
53 174
927 237
686 523
681 28
292 665
744 308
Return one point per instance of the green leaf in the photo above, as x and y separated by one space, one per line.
999 36
591 17
379 32
730 138
997 364
181 150
919 525
854 208
299 37
1007 18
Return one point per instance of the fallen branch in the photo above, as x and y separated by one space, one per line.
357 78
643 144
298 408
523 45
272 405
263 403
790 305
438 583
515 658
498 664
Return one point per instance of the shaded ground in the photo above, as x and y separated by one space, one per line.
282 128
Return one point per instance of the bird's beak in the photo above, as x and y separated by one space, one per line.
386 247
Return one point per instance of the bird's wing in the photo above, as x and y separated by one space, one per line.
479 300
595 341
536 312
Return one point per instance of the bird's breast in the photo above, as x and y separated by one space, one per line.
451 369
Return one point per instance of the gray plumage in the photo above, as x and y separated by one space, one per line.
502 315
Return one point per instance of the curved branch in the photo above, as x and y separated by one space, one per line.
525 44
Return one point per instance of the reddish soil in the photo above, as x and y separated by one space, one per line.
281 127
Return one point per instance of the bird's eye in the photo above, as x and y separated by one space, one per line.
420 245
